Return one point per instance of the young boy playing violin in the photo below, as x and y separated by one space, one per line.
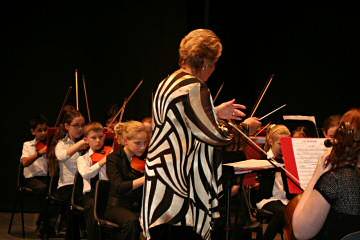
35 162
91 167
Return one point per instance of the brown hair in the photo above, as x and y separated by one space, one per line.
69 116
346 150
93 126
331 121
199 48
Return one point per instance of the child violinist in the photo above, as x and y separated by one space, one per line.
65 149
68 150
35 162
126 180
91 167
273 185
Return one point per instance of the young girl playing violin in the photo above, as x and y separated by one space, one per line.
69 145
35 162
126 182
273 185
91 167
68 150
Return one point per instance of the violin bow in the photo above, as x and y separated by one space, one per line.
77 89
275 110
271 161
262 95
262 129
122 109
86 98
218 92
63 105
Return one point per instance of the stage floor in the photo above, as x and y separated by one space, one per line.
30 226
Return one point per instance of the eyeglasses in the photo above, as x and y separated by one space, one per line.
78 126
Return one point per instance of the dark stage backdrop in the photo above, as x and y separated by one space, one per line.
312 52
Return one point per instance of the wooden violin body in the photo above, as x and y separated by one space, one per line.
98 156
137 164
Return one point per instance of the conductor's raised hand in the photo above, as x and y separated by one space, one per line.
230 110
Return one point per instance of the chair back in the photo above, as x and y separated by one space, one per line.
246 191
52 195
260 214
101 198
77 193
53 184
352 236
20 176
21 180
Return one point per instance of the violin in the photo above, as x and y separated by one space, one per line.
98 156
251 152
138 164
43 145
40 146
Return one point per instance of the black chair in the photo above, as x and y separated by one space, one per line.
53 200
51 196
260 216
77 209
77 193
101 198
352 236
21 191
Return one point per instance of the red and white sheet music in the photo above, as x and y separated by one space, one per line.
301 156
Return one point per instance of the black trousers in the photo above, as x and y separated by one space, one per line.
39 185
277 221
54 209
167 231
128 221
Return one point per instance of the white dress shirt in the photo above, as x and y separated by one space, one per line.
67 164
39 167
88 170
278 191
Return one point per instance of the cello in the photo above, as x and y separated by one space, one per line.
289 212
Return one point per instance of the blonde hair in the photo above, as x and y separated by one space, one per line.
275 130
93 126
199 48
127 130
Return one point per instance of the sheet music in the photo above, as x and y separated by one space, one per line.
300 117
252 164
307 152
